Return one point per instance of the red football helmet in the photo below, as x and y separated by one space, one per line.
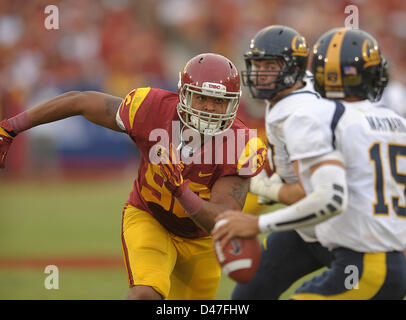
211 75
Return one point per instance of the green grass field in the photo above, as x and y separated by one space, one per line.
67 219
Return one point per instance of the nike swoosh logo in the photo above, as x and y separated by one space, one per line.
201 175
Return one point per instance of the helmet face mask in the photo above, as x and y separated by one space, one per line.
275 43
282 79
348 63
208 123
213 76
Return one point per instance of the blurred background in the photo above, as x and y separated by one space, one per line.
65 183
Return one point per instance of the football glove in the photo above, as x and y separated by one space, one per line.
267 188
171 171
6 138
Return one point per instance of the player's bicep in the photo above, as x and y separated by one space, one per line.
100 108
230 191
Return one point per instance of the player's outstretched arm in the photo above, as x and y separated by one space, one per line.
97 107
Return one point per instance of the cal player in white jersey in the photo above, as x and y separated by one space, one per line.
276 72
352 164
275 119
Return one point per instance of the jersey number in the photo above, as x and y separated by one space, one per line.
395 151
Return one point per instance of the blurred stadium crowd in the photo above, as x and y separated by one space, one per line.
117 45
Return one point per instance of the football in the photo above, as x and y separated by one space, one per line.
240 258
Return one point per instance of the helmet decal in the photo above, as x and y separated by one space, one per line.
299 46
370 53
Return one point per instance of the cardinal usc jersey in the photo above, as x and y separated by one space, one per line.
149 116
278 155
372 141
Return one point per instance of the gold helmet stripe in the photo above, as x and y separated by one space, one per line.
332 70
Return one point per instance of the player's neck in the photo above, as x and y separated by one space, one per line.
282 94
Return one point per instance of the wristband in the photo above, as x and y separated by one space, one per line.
5 129
20 122
190 201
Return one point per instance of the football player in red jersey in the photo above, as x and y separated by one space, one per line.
167 220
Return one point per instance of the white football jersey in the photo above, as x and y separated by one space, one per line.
372 141
274 124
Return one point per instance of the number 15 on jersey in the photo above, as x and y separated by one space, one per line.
395 152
